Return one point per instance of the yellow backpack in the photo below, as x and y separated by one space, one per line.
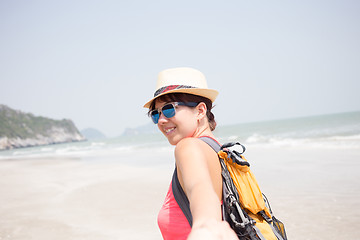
244 206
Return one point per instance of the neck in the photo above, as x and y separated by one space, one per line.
203 130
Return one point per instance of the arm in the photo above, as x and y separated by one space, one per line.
199 174
196 164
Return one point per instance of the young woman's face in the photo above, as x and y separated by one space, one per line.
183 124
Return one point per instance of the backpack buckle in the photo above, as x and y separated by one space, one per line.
234 155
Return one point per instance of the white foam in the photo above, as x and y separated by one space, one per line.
339 142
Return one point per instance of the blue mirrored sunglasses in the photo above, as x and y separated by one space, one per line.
169 110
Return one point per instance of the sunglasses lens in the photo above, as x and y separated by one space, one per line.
155 116
168 110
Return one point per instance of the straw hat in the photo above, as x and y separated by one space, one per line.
182 80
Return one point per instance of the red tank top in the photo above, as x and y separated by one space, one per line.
171 220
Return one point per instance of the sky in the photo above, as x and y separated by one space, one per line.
96 62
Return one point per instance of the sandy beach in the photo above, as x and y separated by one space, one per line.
76 199
315 192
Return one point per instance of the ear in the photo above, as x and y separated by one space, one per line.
202 109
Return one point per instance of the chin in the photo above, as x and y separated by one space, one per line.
172 142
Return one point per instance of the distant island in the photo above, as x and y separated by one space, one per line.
92 133
149 128
19 129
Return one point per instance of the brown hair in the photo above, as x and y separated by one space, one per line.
186 97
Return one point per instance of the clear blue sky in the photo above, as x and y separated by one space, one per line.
96 62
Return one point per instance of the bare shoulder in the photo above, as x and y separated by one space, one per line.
198 163
188 143
193 148
191 144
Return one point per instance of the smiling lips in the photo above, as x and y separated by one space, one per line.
168 130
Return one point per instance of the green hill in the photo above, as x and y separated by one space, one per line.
19 129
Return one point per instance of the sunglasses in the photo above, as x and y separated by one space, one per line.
169 110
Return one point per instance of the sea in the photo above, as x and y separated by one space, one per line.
336 131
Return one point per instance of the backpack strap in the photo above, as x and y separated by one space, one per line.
212 143
180 197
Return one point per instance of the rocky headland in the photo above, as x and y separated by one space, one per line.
19 129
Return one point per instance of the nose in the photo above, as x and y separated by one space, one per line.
162 119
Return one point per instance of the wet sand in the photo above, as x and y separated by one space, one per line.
314 191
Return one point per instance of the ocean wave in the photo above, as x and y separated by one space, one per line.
110 149
343 142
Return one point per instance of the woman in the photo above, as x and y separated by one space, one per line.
181 108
